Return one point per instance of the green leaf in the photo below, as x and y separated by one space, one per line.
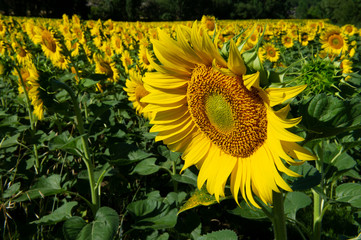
72 227
9 141
327 116
199 198
187 177
87 82
60 214
146 167
219 235
333 155
164 151
311 177
248 212
42 188
153 214
104 226
349 193
13 189
65 142
295 201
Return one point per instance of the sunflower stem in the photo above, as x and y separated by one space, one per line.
31 118
278 217
317 200
95 200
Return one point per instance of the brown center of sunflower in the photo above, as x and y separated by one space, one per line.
336 41
271 52
106 68
49 42
349 29
139 93
22 52
230 115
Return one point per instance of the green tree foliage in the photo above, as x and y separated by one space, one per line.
340 12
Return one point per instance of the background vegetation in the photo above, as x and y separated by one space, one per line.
338 11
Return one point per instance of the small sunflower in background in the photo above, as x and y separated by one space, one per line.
220 118
270 52
208 23
143 55
349 30
104 65
287 41
23 56
28 79
116 43
127 60
2 28
346 66
49 44
333 41
136 91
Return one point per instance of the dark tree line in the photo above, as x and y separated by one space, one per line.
338 11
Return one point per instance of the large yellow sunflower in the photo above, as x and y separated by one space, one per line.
221 119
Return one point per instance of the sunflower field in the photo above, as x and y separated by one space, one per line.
205 129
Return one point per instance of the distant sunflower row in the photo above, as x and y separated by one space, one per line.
124 50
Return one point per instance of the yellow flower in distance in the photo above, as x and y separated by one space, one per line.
219 118
136 91
49 44
333 41
270 52
29 76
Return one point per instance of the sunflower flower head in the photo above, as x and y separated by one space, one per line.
136 91
29 81
333 41
219 117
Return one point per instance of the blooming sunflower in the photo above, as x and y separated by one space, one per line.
2 29
349 29
271 53
49 44
30 77
136 91
106 66
143 55
333 41
219 118
287 41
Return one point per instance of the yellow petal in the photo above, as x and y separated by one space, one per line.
235 61
279 95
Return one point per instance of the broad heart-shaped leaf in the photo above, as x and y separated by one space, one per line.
295 201
311 177
72 227
60 214
104 226
9 141
327 116
219 235
349 193
246 211
42 188
198 198
65 142
146 167
186 177
333 155
13 189
151 213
